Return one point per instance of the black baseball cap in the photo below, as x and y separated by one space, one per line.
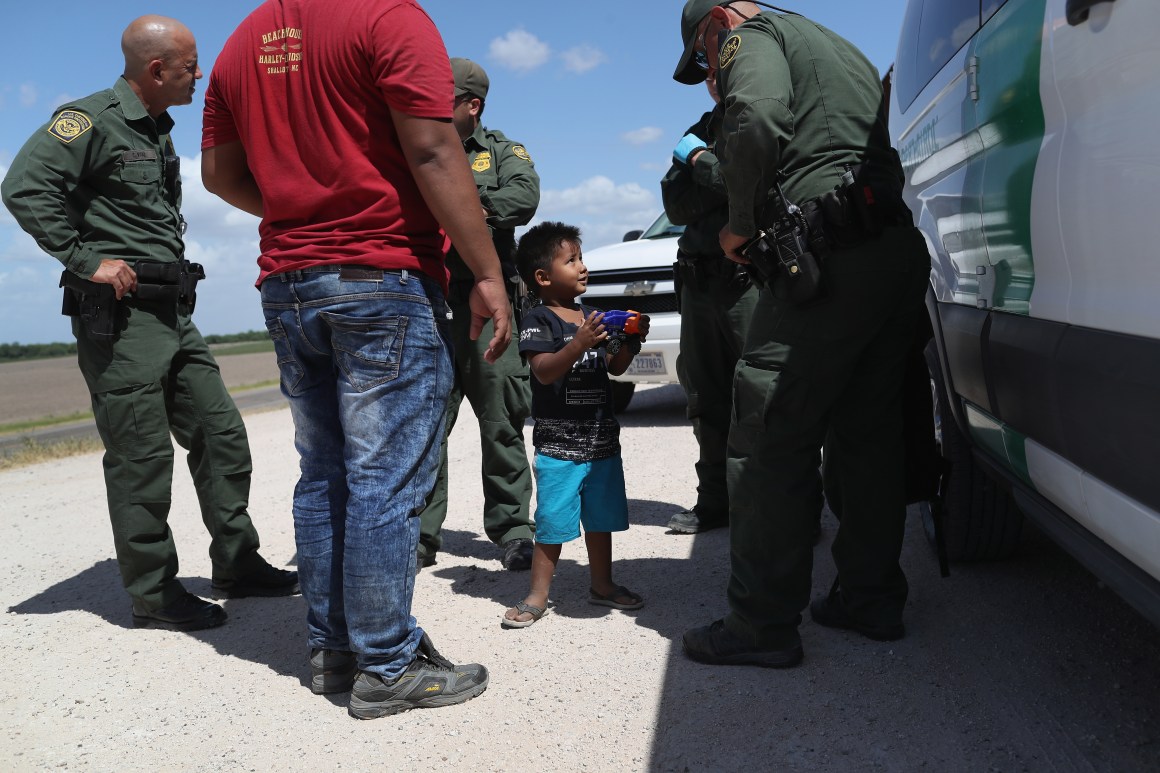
694 11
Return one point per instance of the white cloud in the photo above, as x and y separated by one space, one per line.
643 135
61 99
602 209
27 94
519 50
221 238
583 58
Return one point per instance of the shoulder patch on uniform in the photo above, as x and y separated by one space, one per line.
521 152
728 51
482 161
69 125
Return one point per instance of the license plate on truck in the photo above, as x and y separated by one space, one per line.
647 364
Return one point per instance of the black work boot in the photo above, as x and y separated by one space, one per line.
188 613
264 580
517 554
694 522
717 645
831 612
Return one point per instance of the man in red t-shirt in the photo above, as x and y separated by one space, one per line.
332 122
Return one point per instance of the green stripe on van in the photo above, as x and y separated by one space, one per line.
999 440
1009 117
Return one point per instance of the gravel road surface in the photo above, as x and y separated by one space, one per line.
1027 665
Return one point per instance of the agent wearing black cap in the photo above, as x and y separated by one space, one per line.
802 106
500 394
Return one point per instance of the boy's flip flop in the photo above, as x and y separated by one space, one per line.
611 599
521 608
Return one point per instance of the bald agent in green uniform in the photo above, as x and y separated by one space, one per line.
499 393
803 106
98 188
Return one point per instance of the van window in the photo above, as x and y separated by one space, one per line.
932 32
989 9
946 26
905 81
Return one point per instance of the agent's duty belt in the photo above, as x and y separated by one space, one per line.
698 270
855 211
170 282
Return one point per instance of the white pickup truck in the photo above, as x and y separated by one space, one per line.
637 274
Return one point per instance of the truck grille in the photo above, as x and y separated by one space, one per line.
645 304
649 303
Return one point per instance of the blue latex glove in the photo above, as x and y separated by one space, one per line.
688 145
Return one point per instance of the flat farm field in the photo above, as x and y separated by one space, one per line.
33 390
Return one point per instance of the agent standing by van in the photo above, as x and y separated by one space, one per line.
499 393
802 107
716 303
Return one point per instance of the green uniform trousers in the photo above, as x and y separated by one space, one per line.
501 396
716 309
831 372
158 377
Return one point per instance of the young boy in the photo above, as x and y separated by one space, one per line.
579 475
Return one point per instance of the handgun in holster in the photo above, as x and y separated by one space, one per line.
781 257
94 303
169 281
620 326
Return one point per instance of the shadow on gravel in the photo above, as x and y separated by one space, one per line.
662 406
261 630
96 590
1029 664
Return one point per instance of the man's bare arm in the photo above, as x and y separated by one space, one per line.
225 172
435 154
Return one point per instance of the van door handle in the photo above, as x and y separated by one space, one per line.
1077 10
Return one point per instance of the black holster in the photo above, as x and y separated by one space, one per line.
787 257
171 282
94 303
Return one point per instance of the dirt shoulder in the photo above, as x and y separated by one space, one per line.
39 389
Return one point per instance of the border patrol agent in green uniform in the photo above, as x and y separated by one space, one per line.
802 108
98 188
716 302
499 393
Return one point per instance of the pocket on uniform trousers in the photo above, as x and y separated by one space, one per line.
518 395
752 391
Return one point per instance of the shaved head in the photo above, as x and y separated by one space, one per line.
152 37
160 62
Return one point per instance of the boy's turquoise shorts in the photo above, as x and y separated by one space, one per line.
571 493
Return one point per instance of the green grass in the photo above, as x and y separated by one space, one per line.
33 451
247 347
259 385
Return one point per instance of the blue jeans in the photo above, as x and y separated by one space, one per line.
366 368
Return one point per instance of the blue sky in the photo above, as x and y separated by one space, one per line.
587 87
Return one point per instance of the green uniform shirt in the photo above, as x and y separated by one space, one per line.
799 99
694 195
509 189
91 184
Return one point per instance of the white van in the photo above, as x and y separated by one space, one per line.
1028 131
637 274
